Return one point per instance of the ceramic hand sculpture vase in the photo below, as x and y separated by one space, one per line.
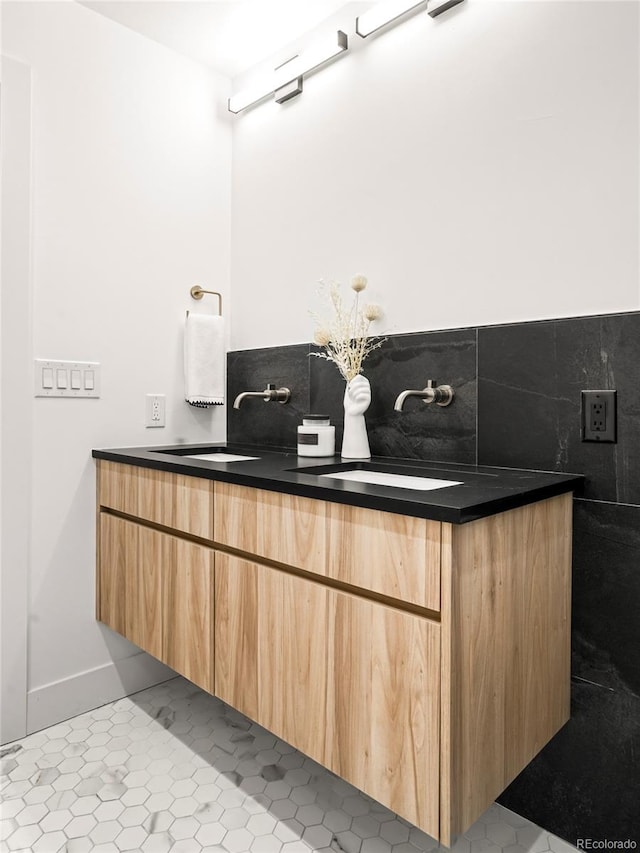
357 397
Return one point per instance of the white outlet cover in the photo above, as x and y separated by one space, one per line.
155 408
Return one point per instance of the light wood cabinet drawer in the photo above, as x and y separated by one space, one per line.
353 683
285 528
388 554
394 555
173 500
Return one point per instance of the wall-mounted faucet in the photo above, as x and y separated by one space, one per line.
433 393
270 393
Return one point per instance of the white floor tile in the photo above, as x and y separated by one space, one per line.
174 770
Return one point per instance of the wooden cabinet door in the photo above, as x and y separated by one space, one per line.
351 682
271 650
130 585
118 550
383 705
145 604
188 613
157 591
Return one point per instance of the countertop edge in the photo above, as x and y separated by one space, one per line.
368 498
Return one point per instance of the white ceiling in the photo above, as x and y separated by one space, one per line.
228 35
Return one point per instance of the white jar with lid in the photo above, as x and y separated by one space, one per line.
316 436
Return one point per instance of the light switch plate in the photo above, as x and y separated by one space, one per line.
66 378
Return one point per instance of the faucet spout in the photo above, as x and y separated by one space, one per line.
281 395
442 395
400 400
243 396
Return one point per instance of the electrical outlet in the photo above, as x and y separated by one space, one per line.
154 410
599 421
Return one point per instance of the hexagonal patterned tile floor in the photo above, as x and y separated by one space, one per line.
174 769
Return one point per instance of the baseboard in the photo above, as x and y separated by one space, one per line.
85 691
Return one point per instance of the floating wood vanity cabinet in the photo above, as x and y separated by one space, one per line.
424 662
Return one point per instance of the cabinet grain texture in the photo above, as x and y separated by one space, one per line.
394 555
383 702
145 605
389 554
506 589
353 683
272 654
284 528
118 549
157 591
131 581
172 500
188 641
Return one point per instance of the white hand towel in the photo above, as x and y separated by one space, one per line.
204 360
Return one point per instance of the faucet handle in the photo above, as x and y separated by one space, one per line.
443 394
282 395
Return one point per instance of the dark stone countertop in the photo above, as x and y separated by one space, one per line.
484 491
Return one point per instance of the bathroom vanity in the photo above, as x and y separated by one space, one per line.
416 643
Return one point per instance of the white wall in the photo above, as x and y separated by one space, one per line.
15 420
480 168
131 200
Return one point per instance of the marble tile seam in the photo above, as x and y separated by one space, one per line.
607 503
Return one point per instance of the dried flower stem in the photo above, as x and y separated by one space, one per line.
344 337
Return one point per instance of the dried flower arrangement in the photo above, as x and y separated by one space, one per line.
344 337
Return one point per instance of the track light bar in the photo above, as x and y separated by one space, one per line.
390 10
291 72
382 14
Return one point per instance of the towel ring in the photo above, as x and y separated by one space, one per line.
197 292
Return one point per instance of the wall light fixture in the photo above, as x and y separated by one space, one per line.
382 14
390 10
285 82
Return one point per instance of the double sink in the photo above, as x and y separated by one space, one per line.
374 473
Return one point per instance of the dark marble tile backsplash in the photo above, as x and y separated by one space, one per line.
585 782
530 376
606 595
257 422
517 398
424 431
407 361
403 361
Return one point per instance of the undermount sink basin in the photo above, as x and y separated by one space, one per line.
219 457
383 478
215 455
